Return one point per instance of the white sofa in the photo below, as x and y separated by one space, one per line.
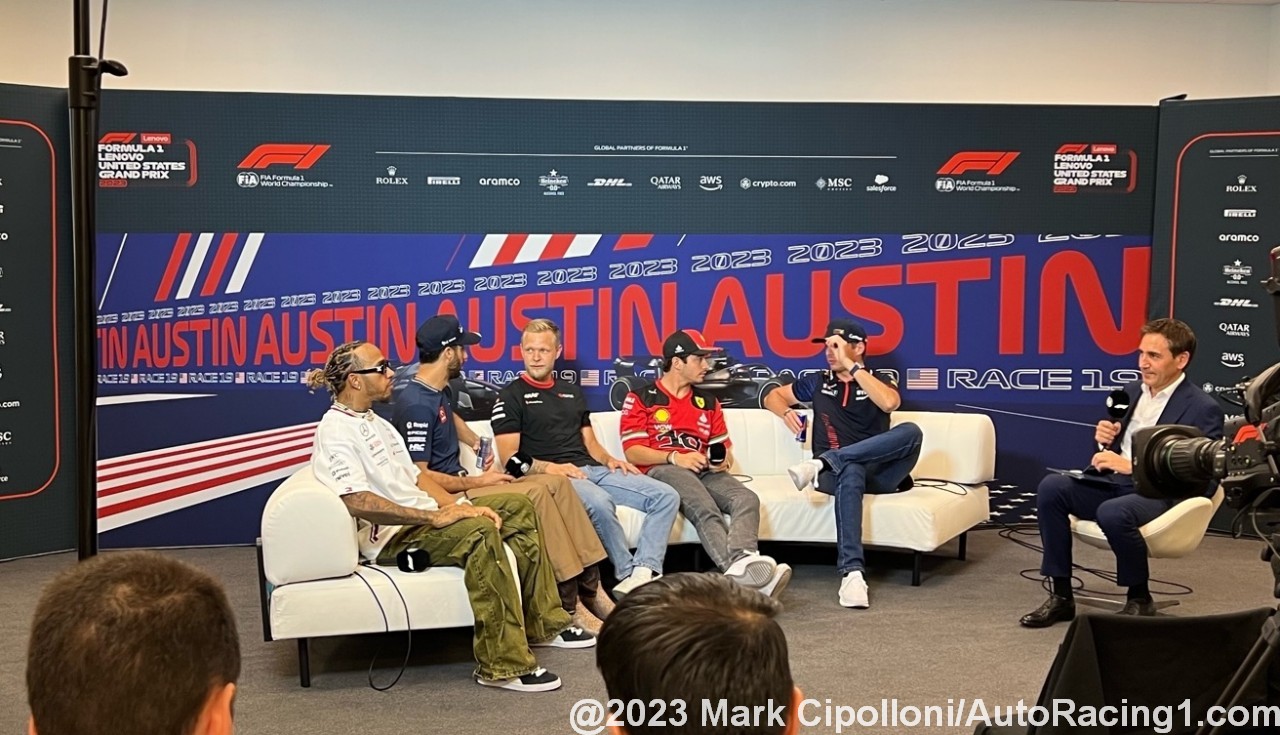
959 448
312 585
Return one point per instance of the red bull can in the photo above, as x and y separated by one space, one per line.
486 445
804 428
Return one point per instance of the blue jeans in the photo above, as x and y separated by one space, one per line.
604 490
874 465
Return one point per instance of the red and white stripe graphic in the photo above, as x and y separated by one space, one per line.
513 249
195 265
137 487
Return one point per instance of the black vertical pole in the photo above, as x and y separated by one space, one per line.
82 102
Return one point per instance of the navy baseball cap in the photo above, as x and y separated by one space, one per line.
443 330
686 342
849 329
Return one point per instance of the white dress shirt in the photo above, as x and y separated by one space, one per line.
1147 412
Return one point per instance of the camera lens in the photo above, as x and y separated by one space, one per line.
1188 459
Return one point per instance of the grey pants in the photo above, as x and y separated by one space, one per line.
705 499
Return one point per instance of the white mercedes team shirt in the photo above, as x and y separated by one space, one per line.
362 452
1147 413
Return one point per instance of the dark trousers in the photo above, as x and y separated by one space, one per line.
1117 508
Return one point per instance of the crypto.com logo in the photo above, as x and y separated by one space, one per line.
989 162
300 156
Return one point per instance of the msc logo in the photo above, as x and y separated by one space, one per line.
711 183
988 162
300 156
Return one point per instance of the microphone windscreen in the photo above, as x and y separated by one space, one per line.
413 560
1117 404
717 453
519 464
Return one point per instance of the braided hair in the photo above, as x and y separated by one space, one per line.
333 375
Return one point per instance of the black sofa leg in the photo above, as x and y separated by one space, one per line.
304 663
964 544
916 560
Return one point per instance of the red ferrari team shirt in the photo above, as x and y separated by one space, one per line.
652 417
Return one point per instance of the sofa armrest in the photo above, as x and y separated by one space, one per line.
307 532
960 447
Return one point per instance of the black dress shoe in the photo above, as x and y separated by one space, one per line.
1145 608
1055 609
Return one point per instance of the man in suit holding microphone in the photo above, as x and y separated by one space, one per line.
1105 492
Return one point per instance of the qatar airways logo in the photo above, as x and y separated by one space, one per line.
1234 329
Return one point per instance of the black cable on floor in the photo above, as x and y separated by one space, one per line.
386 627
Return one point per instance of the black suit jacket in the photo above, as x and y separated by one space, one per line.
1188 406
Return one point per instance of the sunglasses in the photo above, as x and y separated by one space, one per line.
382 367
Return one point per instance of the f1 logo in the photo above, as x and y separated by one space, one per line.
298 155
117 138
991 162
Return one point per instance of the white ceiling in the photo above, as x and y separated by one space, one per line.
1197 2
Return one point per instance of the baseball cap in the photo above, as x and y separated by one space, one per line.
686 342
443 330
849 329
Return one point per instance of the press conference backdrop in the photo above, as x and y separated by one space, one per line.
1216 223
37 471
998 255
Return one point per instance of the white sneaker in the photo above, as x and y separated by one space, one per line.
538 680
853 591
752 570
639 576
805 474
781 576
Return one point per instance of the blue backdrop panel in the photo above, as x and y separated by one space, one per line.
243 236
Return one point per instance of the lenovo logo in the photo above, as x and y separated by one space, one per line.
298 155
989 162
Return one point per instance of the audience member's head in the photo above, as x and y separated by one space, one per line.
696 637
132 643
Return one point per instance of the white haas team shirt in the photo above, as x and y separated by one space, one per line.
362 452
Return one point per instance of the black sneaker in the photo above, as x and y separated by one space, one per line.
906 484
538 680
571 637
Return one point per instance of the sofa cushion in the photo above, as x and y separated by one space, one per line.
307 532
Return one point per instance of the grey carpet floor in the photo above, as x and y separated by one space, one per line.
956 636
